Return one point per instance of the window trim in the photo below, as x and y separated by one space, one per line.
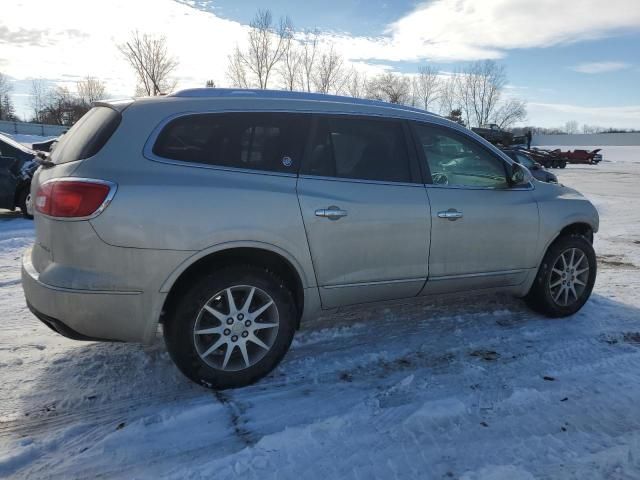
148 153
414 168
428 180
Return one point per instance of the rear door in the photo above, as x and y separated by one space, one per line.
365 210
484 232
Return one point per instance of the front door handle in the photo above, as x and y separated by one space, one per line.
332 213
451 214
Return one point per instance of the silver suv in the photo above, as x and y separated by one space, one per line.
231 216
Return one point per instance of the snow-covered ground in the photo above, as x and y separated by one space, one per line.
474 389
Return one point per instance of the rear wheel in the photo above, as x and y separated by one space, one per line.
565 278
232 328
563 164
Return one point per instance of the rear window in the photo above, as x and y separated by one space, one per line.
87 136
257 141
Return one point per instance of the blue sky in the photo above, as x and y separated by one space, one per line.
570 60
542 74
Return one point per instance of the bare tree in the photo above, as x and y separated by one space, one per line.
236 71
38 94
571 127
357 84
90 90
291 69
480 87
267 45
390 87
427 86
329 75
7 110
308 59
150 59
448 95
5 87
510 112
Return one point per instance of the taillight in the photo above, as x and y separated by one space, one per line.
66 198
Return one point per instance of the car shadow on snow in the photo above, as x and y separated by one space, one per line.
372 357
355 344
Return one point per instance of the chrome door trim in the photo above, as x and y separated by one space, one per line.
382 282
528 187
476 275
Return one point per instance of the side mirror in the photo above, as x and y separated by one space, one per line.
519 175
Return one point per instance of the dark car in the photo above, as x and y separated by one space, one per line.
534 167
17 165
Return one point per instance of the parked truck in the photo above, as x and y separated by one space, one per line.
494 134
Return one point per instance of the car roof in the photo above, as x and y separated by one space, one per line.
213 98
290 95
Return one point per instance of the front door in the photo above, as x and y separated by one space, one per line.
484 232
365 211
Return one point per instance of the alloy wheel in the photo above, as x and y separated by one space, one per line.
236 328
569 277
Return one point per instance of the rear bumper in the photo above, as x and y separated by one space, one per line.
60 327
84 314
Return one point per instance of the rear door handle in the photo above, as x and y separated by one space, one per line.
451 214
332 213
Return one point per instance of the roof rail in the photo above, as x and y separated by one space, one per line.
292 95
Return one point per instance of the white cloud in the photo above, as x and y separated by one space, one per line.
66 39
600 67
469 29
554 114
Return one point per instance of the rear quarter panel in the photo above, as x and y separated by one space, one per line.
180 206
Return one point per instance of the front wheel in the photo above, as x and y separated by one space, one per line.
565 278
232 327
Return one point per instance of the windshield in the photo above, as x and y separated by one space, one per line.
524 160
87 136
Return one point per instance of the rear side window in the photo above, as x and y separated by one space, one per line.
87 136
257 141
359 148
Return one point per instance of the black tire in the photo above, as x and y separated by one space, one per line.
22 203
180 323
563 164
540 298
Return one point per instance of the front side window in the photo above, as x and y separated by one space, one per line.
456 160
257 141
359 148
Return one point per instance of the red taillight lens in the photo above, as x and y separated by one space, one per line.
71 198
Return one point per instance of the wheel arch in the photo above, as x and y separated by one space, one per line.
578 227
236 253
